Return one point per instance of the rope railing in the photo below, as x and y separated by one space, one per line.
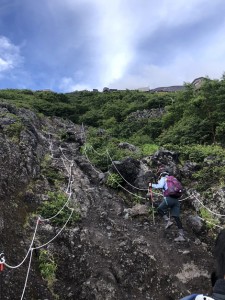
136 195
30 247
40 219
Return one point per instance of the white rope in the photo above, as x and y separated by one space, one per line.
43 245
31 245
211 223
31 248
136 195
122 175
107 152
85 152
70 181
68 171
181 200
50 218
70 161
98 153
117 181
212 212
28 271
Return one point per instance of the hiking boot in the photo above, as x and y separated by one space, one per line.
180 238
168 224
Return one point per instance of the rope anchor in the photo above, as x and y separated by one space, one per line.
2 261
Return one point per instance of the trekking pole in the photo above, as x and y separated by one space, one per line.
151 198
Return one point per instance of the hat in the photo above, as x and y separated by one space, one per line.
162 171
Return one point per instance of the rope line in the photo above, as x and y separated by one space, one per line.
31 244
85 152
122 175
212 212
40 219
211 223
27 275
107 152
65 204
43 245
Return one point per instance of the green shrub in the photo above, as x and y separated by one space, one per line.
136 199
210 220
52 174
114 180
47 266
14 130
149 149
208 176
197 153
54 204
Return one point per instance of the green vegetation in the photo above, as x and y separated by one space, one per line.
53 206
191 122
48 267
14 130
114 180
12 126
52 174
191 116
209 219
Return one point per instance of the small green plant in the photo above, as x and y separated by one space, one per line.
137 199
14 129
114 180
149 149
47 266
52 174
152 211
211 221
208 176
46 161
53 206
86 147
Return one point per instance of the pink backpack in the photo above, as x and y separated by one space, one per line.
174 187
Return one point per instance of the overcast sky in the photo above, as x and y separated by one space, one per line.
67 45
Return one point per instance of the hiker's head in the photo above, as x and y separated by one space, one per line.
219 254
163 171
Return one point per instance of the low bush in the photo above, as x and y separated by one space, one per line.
52 207
114 180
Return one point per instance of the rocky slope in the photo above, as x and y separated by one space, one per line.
116 250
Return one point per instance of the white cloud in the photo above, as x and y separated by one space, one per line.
10 57
88 44
123 24
68 84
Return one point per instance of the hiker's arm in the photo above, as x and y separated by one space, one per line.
160 183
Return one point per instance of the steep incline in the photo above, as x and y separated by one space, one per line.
105 255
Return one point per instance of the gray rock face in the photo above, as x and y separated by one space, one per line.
147 113
104 255
127 146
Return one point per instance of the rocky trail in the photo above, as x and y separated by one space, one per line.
108 254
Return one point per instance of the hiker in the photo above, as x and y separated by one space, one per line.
168 202
217 277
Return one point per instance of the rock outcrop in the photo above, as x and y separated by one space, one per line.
112 252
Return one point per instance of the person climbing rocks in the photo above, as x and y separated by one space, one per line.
168 203
217 276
